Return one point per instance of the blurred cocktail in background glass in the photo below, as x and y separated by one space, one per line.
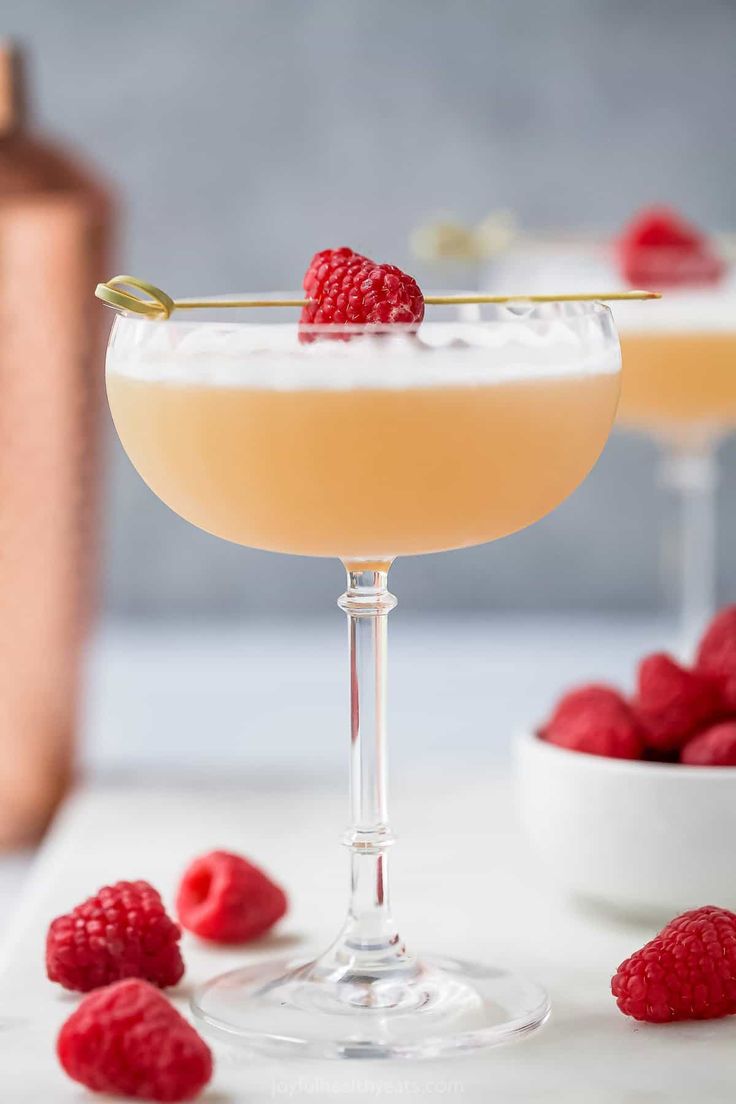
390 447
679 386
679 370
363 449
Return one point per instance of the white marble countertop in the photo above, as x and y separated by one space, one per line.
197 737
461 883
269 700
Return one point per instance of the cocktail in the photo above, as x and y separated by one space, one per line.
679 367
679 386
364 443
679 383
680 379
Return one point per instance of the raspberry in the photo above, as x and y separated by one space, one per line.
224 898
661 248
687 972
717 654
716 747
323 265
122 932
673 703
595 719
127 1039
599 734
593 695
347 288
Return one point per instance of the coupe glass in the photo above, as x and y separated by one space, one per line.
365 448
678 387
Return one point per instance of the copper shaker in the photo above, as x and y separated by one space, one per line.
54 220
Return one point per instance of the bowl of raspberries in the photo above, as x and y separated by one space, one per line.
629 800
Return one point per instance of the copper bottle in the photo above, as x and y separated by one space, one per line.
53 238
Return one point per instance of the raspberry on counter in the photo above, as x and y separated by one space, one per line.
129 1040
121 932
226 899
687 972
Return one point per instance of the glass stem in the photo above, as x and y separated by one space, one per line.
370 938
690 470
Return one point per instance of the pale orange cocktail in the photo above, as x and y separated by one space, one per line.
675 380
366 471
679 385
365 446
679 364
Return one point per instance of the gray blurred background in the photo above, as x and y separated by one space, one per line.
243 136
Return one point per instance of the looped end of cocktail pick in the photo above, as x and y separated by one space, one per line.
120 293
117 293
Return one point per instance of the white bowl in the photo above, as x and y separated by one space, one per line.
648 839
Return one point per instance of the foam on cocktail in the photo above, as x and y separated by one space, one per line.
691 310
370 448
679 359
270 357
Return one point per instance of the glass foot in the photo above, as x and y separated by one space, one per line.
442 1006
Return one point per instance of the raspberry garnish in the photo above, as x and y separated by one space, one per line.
121 932
224 898
659 248
717 654
347 288
595 719
323 265
127 1039
716 747
673 703
687 972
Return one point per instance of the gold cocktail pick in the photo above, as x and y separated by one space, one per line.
120 292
